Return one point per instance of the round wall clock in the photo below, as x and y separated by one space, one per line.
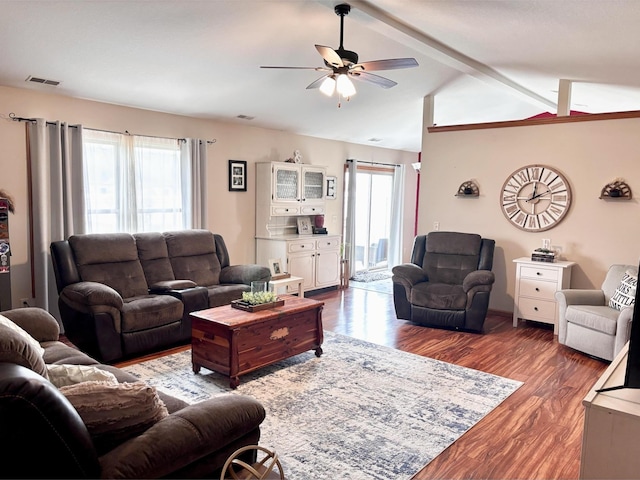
535 198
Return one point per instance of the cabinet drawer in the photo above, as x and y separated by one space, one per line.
311 210
537 289
541 273
302 246
533 309
276 211
328 244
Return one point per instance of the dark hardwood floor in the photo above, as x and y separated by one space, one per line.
536 433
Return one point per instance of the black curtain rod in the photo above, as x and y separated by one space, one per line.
374 163
13 117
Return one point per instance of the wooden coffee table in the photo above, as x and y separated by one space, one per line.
234 342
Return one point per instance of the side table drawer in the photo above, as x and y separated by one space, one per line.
533 309
550 274
538 289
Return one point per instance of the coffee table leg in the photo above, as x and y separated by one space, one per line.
234 382
318 351
196 368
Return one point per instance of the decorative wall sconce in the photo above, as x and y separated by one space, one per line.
617 190
468 189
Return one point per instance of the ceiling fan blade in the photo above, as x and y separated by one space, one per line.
371 78
316 83
296 68
330 56
389 64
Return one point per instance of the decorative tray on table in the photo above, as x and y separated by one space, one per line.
248 307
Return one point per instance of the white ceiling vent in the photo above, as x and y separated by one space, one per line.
43 81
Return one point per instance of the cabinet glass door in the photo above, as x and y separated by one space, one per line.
286 184
313 185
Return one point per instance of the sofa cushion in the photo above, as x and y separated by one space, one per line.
16 348
223 294
440 296
625 294
450 257
193 256
595 317
65 374
150 311
115 413
111 259
154 257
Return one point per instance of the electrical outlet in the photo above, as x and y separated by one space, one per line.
436 225
24 302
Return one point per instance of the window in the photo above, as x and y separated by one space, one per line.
135 183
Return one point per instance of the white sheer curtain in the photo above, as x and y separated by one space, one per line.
57 199
397 215
350 216
194 180
139 183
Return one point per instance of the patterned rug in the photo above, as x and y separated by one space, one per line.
368 276
361 411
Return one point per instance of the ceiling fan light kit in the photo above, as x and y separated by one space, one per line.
342 65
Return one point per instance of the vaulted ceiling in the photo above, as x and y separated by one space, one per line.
482 60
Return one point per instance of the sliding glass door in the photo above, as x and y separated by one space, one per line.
374 196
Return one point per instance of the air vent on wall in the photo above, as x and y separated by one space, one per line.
43 81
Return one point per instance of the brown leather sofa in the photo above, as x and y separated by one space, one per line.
122 295
44 436
448 282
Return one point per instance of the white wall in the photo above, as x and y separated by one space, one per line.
595 233
232 214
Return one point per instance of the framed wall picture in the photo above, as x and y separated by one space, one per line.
304 226
237 176
331 188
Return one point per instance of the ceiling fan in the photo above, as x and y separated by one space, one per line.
342 66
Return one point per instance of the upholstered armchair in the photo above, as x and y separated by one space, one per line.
448 282
598 322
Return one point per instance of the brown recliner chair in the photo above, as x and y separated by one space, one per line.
448 282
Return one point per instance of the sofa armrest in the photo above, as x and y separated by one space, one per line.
84 295
184 437
577 296
245 274
37 322
623 329
409 274
478 278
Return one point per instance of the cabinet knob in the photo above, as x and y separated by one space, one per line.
538 273
537 289
301 246
535 308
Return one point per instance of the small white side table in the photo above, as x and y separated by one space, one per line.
283 282
536 286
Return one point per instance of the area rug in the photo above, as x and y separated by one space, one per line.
380 286
361 411
371 276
